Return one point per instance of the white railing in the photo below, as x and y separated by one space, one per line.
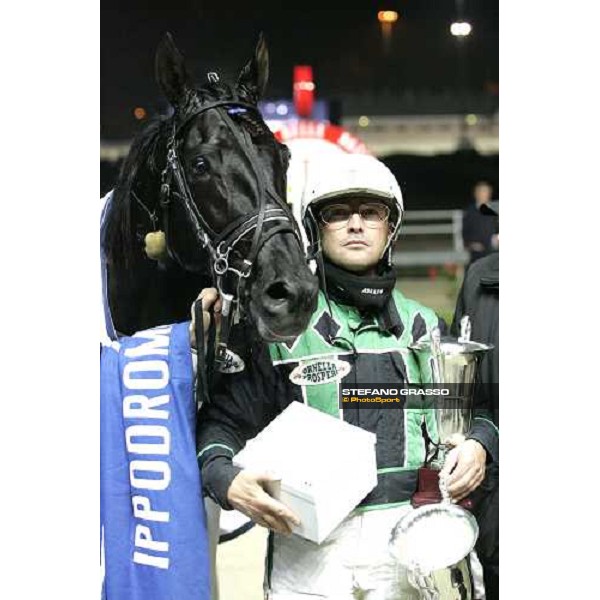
430 238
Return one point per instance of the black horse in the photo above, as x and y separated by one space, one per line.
212 177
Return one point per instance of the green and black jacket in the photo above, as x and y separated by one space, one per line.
377 352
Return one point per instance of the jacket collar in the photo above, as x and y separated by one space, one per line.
388 318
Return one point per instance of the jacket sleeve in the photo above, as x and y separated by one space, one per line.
241 405
483 429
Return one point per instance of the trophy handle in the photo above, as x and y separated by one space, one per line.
437 356
465 329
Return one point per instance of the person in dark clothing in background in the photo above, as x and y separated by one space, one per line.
479 232
479 298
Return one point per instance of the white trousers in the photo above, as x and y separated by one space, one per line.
353 563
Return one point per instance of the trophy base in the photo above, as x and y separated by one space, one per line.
428 490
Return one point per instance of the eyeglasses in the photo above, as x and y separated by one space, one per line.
336 216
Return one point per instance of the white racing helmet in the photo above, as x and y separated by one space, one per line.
350 176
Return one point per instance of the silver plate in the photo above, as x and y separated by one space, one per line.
434 536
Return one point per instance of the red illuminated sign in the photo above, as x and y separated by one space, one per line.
294 130
304 91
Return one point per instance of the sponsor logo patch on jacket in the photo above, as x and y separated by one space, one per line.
372 291
318 371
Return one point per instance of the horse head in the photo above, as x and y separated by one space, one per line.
212 177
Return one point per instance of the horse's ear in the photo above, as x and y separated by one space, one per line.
170 71
254 76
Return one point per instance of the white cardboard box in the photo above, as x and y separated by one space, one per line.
325 465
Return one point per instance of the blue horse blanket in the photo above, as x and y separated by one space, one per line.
153 524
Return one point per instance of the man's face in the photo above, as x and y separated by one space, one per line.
483 193
351 240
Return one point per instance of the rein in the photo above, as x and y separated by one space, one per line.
230 280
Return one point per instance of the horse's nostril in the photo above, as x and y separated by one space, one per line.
278 291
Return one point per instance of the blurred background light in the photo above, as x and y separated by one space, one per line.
387 16
460 28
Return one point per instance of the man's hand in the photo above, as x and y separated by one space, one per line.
208 297
246 494
464 468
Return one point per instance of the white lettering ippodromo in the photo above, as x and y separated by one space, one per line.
396 391
142 439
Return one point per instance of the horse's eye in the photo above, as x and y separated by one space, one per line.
200 165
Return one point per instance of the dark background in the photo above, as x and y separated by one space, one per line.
344 46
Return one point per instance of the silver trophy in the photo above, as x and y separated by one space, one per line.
433 542
454 363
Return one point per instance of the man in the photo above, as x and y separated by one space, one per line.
352 212
478 232
479 298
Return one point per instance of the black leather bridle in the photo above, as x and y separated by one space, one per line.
265 221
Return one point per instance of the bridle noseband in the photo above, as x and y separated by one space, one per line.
265 221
